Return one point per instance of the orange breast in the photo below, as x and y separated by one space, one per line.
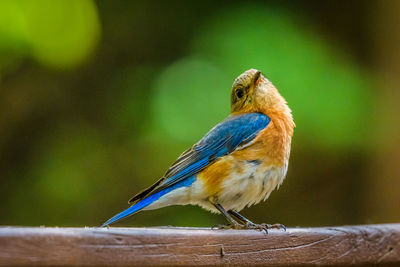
270 147
274 144
214 175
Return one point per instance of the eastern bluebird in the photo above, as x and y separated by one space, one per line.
237 163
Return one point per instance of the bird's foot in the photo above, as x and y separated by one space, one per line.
235 226
251 226
278 226
264 226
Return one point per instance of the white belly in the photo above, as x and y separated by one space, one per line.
254 183
251 186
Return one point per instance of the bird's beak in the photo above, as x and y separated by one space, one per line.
257 77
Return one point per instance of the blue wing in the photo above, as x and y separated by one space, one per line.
223 139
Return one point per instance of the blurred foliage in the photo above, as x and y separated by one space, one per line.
294 58
191 96
57 33
72 155
77 140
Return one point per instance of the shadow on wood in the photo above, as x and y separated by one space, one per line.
360 245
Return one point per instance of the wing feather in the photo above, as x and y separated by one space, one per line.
235 131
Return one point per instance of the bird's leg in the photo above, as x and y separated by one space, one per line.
250 225
232 223
239 216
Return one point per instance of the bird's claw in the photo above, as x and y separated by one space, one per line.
265 227
278 226
250 226
228 226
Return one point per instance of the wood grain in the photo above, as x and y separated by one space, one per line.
357 245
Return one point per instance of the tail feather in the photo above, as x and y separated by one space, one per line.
147 201
134 208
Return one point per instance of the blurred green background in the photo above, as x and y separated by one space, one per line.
98 98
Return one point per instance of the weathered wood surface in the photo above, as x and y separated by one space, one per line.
361 245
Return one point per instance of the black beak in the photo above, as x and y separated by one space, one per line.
257 76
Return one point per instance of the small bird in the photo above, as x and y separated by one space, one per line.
236 164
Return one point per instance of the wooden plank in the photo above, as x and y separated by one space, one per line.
360 245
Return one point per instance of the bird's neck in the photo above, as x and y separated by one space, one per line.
282 118
278 111
282 125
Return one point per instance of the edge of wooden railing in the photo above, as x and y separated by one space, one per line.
344 245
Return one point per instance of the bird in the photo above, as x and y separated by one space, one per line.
238 163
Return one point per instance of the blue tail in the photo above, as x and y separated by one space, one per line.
148 200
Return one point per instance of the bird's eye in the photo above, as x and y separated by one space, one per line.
239 93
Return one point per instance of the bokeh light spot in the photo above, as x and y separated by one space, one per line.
191 96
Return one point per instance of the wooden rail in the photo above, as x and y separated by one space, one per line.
360 245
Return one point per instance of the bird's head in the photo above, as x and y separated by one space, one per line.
252 92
